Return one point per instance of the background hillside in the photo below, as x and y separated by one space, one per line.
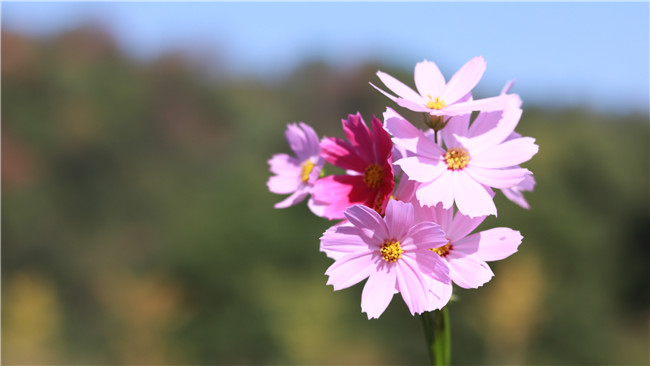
137 227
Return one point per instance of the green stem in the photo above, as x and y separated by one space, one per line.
438 336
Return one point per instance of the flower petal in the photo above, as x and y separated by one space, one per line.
411 285
398 218
369 222
429 79
497 178
472 198
341 153
491 128
399 88
462 225
343 239
505 155
408 137
438 190
490 245
350 269
422 169
464 80
296 197
378 292
425 235
358 134
468 271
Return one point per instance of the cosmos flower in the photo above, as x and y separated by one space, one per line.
367 160
392 252
466 254
439 98
296 175
465 171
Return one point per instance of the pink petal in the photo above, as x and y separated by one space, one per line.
516 196
302 140
336 192
313 142
492 128
422 169
442 291
457 125
414 106
349 270
464 80
497 103
340 153
490 245
408 137
284 184
507 154
468 271
283 163
382 146
343 239
411 286
462 225
400 88
368 221
497 178
472 198
425 235
296 197
398 218
359 137
378 292
429 79
438 190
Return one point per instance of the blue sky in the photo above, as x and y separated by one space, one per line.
561 54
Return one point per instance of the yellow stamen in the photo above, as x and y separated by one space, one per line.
456 158
435 103
373 176
307 167
443 250
391 251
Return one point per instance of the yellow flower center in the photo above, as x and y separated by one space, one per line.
435 103
373 176
307 167
456 158
391 251
443 250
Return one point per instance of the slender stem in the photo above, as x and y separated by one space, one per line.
438 336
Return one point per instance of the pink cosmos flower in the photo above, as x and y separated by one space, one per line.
463 172
392 252
367 158
438 98
465 254
296 175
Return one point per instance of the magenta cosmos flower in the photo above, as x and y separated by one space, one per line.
463 172
367 158
296 175
392 252
438 98
465 254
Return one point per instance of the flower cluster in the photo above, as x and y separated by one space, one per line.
411 197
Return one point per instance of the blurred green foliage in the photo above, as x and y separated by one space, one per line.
137 228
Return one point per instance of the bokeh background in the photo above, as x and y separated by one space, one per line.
136 224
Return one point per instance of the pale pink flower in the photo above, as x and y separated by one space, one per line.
469 166
392 252
296 175
466 254
367 160
438 98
